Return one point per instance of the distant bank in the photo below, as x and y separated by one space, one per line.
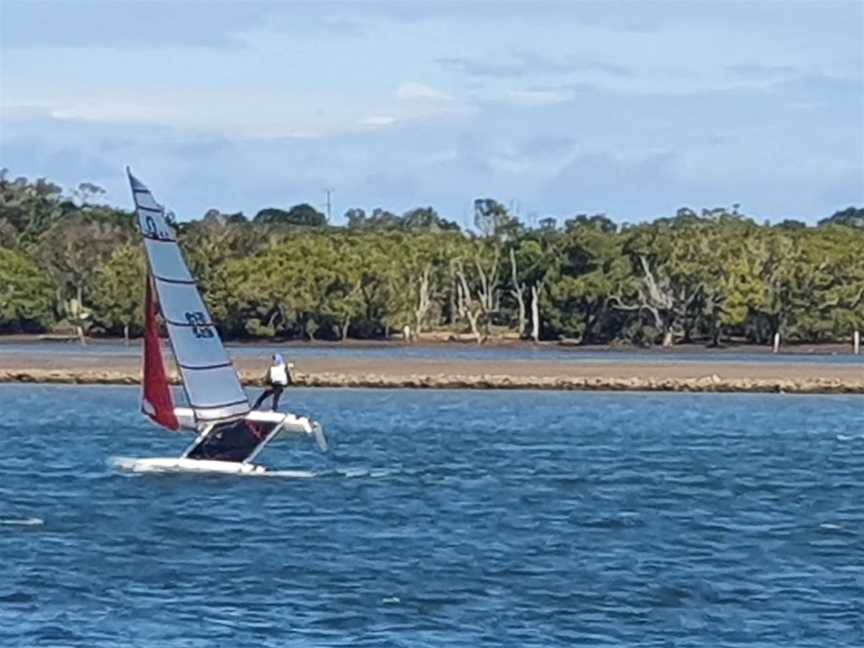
426 373
439 339
442 341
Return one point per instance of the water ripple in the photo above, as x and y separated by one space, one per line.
442 519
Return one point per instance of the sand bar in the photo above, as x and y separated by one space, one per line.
698 376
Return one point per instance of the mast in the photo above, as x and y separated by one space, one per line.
211 384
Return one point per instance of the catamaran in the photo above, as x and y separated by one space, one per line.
229 433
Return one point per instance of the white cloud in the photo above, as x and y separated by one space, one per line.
414 90
537 97
378 121
365 100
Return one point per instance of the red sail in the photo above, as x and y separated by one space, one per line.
156 401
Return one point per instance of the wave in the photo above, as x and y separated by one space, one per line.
850 437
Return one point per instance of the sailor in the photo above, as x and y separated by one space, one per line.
278 377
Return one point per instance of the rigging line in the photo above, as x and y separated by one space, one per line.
157 239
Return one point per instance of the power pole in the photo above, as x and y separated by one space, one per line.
514 207
327 192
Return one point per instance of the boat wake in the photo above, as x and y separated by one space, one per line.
28 521
344 473
126 464
142 466
290 474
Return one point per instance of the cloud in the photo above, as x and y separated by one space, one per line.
139 24
560 97
378 121
448 164
342 26
757 72
537 97
633 187
62 163
401 187
267 113
546 145
482 69
414 90
531 64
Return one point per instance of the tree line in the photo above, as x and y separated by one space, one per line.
68 262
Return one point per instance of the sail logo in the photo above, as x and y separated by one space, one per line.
152 230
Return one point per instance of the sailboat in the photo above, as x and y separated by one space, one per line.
229 434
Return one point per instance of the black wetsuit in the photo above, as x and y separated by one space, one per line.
274 390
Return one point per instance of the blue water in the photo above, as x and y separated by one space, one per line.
442 518
453 352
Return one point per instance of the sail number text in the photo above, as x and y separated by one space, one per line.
200 327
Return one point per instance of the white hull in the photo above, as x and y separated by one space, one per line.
281 424
291 424
175 464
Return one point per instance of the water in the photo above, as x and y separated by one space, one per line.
442 518
398 351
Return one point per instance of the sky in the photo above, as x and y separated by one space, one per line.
633 109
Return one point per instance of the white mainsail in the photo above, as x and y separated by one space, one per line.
209 379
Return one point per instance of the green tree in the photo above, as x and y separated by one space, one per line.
27 209
72 248
303 215
26 295
849 217
592 271
117 296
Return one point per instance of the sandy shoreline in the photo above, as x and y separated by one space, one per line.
697 376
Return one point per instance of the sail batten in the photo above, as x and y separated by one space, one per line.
209 379
188 282
206 367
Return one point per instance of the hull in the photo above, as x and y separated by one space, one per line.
291 424
174 464
228 448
